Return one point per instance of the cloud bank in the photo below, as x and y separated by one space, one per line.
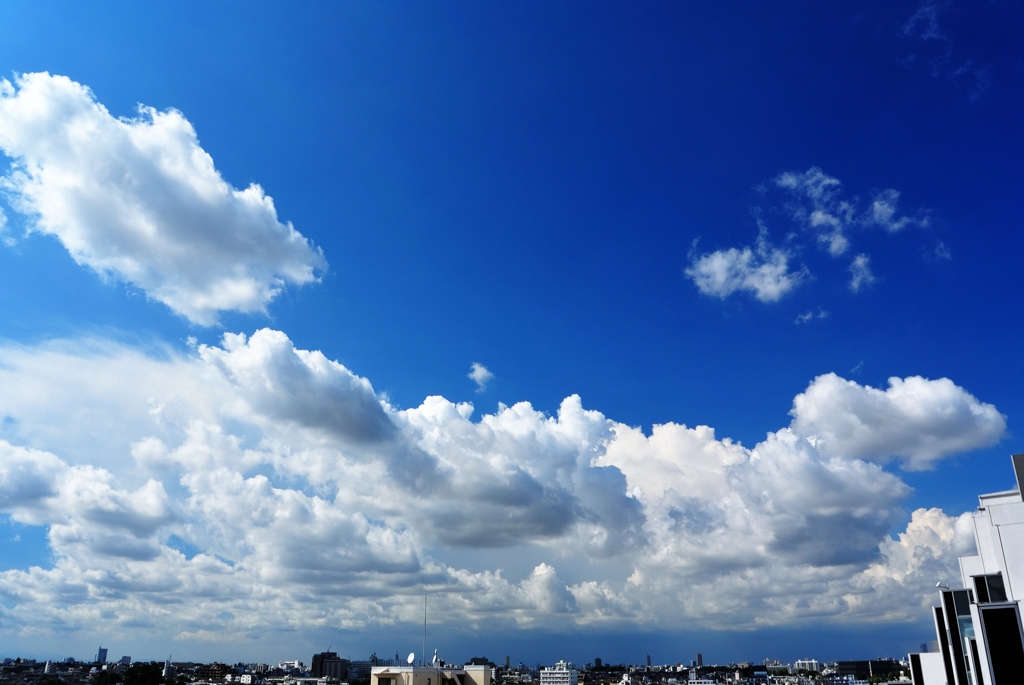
139 200
255 486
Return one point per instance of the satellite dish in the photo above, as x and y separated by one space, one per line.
411 658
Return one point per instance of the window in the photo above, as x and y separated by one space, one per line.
989 588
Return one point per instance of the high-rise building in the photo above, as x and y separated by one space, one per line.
125 661
648 661
979 626
101 655
700 660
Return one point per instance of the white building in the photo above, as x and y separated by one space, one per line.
979 627
807 665
693 678
563 673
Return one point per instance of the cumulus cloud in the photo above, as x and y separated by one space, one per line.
479 374
915 419
306 500
141 201
762 271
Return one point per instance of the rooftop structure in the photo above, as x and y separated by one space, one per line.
979 626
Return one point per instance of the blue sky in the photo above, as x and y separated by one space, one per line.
747 217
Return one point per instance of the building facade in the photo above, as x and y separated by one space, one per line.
978 626
562 673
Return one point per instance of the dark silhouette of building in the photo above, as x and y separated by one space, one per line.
329 665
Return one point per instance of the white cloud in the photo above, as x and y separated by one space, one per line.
883 213
810 315
314 502
140 200
479 374
763 271
818 207
860 273
915 419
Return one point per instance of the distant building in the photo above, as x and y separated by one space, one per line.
214 671
562 673
807 665
125 661
865 670
980 639
693 678
101 655
329 665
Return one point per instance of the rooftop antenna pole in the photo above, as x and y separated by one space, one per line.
424 652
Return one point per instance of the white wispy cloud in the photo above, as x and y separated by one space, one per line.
141 201
762 270
932 50
819 207
479 374
302 487
811 315
816 205
861 275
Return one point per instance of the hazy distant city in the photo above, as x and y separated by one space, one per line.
329 668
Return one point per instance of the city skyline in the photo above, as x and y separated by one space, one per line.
612 330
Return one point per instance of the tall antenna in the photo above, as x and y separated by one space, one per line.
423 659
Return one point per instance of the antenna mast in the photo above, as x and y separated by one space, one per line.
423 659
